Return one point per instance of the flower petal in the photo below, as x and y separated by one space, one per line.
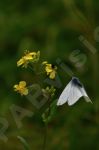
52 75
25 92
20 62
22 83
44 62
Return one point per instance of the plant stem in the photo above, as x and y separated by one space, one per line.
45 138
46 126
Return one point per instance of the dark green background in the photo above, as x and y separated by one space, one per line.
53 27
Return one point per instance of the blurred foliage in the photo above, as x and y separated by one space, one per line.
53 27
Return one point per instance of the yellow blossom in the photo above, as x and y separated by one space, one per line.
28 57
50 70
21 88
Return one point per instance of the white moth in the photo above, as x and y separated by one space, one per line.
73 92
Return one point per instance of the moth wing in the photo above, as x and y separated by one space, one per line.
65 94
74 95
87 99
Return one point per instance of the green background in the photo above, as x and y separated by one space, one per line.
53 27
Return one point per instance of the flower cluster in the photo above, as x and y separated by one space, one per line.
50 69
28 57
49 91
21 88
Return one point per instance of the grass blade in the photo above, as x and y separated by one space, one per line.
24 143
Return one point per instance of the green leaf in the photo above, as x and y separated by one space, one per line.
23 141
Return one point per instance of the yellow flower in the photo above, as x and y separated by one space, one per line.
50 70
28 57
21 88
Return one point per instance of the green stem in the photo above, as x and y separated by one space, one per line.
45 138
46 126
